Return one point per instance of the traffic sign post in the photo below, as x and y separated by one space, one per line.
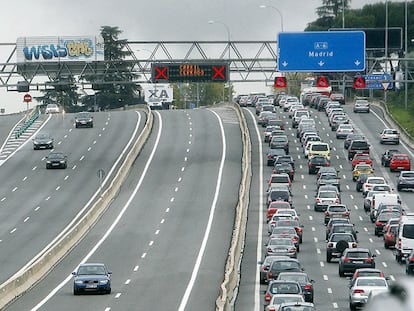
379 82
321 51
359 82
27 98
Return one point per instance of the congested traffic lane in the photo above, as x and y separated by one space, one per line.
170 245
36 204
331 291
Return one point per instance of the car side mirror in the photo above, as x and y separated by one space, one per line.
74 273
356 231
260 262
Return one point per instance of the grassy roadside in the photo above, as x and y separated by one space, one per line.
404 116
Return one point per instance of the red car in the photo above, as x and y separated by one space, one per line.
361 158
390 236
400 162
274 206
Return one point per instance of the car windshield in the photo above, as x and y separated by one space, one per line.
42 136
56 156
96 270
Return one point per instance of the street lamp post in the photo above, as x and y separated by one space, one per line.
229 56
277 10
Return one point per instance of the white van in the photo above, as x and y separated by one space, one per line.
405 240
385 198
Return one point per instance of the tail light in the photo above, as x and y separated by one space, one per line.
308 286
378 224
328 164
346 213
295 239
292 250
267 297
326 213
330 245
399 244
358 291
269 156
270 275
368 260
346 259
337 200
268 249
299 230
354 245
412 259
272 309
318 200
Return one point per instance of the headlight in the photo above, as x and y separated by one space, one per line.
48 161
78 282
103 282
62 161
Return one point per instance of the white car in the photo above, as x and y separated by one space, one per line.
359 292
371 181
52 108
278 299
390 136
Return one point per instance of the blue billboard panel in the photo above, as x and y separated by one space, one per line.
321 51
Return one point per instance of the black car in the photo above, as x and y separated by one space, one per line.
355 258
317 162
409 264
283 264
285 159
332 222
284 167
280 142
272 155
405 180
361 180
303 279
264 267
56 160
387 155
279 194
43 141
83 119
351 137
357 146
343 228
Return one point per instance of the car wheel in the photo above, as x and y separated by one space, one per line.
352 307
328 258
76 291
47 166
399 188
386 246
341 273
65 166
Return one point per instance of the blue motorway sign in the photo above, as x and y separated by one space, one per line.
321 51
375 81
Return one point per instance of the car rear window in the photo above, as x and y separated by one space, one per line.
359 145
280 179
345 237
357 254
408 231
285 288
319 147
337 209
282 195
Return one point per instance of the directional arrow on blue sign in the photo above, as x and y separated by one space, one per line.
323 51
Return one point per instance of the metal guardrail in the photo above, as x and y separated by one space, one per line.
26 124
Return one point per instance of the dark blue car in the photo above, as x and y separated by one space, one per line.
92 277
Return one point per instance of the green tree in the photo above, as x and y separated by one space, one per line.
114 84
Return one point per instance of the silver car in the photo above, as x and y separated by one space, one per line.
281 247
359 292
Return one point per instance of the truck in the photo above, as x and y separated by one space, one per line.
158 96
391 199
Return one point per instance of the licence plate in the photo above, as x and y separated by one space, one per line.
358 261
91 286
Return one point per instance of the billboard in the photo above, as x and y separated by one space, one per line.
59 49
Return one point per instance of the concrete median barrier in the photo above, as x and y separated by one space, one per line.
228 288
18 284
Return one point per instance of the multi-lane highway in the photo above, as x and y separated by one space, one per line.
331 291
167 234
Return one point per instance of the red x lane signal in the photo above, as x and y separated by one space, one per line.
322 82
359 82
218 73
280 82
161 73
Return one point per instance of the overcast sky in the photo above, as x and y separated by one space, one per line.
154 20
